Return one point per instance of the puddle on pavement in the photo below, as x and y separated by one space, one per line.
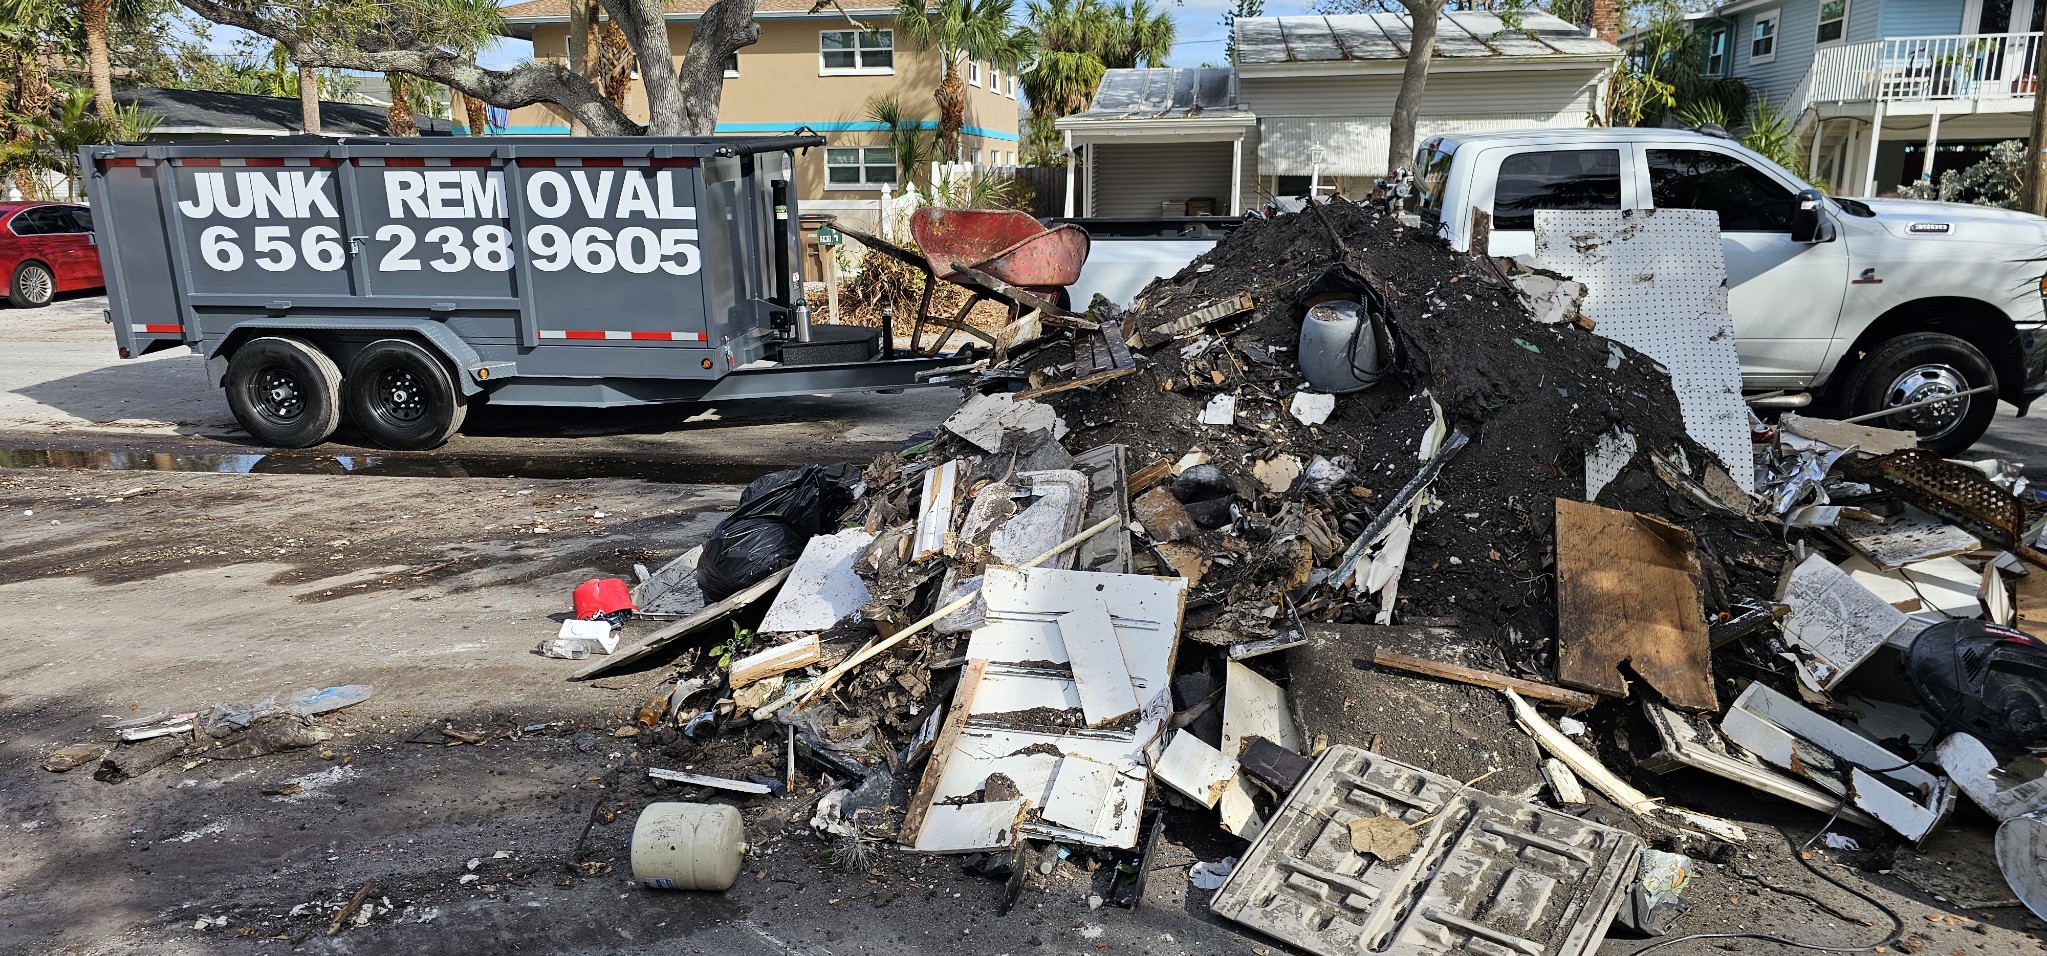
550 467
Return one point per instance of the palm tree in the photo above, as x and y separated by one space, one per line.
464 26
1072 36
1140 34
960 30
398 119
96 15
905 135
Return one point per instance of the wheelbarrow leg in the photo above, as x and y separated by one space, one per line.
923 312
959 319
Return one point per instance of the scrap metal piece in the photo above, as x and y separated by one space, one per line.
1106 469
1958 493
1198 319
1490 874
1394 508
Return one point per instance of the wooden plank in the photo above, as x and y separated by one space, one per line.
1206 315
948 738
701 619
1591 771
780 659
1097 660
1573 701
1628 593
936 507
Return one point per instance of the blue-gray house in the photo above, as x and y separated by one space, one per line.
1913 79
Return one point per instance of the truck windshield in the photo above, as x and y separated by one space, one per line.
1432 170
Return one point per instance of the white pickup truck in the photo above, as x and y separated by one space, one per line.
1861 304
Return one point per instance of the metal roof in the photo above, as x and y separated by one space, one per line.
1387 36
204 112
1192 93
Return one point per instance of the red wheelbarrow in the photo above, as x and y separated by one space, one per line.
1004 243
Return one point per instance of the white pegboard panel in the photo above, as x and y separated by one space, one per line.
1658 282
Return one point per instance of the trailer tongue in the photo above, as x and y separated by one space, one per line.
396 281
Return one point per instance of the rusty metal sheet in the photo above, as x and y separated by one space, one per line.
1490 875
1628 593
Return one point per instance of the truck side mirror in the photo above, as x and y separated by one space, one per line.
1806 220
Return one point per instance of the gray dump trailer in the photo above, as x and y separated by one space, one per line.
394 282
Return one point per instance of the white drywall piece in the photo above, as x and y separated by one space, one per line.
822 588
1097 660
1837 621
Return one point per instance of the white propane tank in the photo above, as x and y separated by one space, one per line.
688 846
1340 348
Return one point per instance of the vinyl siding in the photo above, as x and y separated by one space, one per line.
1348 115
1864 17
1775 78
1132 179
1447 94
1914 18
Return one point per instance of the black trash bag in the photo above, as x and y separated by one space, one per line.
1983 680
777 515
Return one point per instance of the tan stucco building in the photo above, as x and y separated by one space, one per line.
815 70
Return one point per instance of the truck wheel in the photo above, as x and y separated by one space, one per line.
33 287
1920 366
284 392
402 397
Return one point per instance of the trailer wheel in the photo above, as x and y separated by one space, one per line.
32 287
284 392
402 397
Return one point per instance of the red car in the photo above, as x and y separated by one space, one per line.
47 248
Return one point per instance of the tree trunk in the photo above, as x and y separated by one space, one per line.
1407 107
398 116
479 115
309 99
2036 162
98 60
685 102
32 97
579 48
952 109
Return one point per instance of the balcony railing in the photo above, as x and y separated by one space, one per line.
1991 66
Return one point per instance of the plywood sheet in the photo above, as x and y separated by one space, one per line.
1628 593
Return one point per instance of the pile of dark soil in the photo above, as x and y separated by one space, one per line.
1531 397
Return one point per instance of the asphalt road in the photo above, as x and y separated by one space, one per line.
61 386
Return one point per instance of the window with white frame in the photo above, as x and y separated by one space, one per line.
973 72
1762 44
852 51
1833 21
1716 52
1012 87
731 67
859 167
995 78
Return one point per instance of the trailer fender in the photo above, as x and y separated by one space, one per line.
459 354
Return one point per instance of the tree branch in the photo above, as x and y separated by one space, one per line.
522 85
723 29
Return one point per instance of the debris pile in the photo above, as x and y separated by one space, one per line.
1147 549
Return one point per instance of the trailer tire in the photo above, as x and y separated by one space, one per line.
284 391
32 286
403 397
